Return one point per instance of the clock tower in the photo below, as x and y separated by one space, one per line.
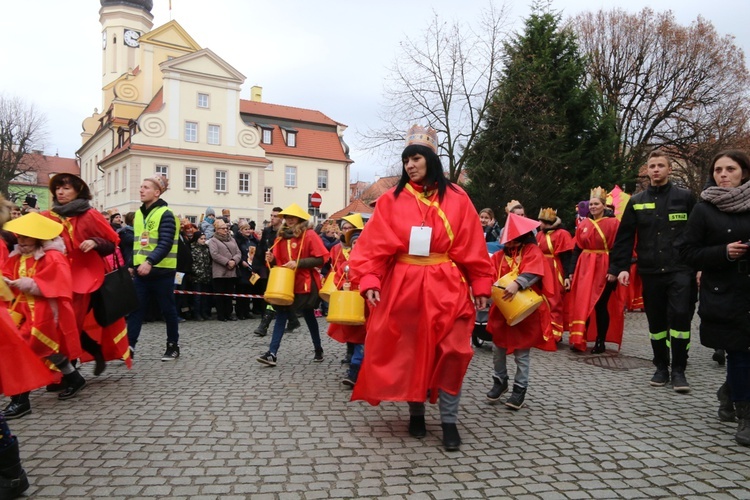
123 22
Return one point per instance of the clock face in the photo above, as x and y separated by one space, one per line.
104 39
131 38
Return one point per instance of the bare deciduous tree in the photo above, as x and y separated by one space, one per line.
445 79
22 130
665 82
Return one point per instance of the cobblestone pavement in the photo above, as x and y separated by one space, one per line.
217 424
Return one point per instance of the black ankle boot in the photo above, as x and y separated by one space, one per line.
743 428
13 480
75 382
417 426
726 407
351 376
451 439
515 401
265 322
499 388
599 347
18 407
293 323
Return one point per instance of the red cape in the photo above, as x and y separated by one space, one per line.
553 243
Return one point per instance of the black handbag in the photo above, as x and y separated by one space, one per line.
116 297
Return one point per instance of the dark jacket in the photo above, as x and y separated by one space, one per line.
184 255
268 236
126 244
725 285
201 263
655 217
245 244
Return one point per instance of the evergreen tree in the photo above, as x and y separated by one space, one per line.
545 142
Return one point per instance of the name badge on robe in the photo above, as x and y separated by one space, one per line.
419 242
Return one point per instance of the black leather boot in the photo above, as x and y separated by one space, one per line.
417 426
451 438
599 346
743 429
265 321
499 387
75 382
726 407
18 407
515 401
293 323
13 480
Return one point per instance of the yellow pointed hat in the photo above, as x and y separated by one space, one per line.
34 225
355 220
295 211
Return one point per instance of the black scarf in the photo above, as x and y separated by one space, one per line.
72 208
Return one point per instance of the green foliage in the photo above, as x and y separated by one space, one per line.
546 142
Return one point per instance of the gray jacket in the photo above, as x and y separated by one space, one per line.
221 253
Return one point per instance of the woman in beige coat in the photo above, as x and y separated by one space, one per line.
226 256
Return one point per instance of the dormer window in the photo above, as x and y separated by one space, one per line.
290 135
266 133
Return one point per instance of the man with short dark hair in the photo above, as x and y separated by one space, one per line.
655 218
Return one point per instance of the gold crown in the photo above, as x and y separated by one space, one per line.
599 192
547 214
422 136
511 205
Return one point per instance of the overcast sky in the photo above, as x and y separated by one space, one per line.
329 55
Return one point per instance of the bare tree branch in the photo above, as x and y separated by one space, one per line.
22 130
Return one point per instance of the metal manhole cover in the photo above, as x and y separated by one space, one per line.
612 361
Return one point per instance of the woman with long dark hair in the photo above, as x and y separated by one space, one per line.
716 242
422 265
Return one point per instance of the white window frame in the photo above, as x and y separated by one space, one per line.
191 173
324 173
207 99
220 177
214 141
161 169
192 218
266 139
109 183
117 179
291 139
191 131
124 177
268 195
244 183
290 176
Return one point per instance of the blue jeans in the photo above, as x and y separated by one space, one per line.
523 365
358 355
280 326
738 375
162 289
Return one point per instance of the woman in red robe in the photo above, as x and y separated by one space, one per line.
557 246
522 257
88 239
419 261
597 312
39 275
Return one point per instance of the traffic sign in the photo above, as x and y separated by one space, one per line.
315 200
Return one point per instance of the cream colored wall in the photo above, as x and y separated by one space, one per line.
334 198
98 147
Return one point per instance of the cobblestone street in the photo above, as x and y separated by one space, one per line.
217 424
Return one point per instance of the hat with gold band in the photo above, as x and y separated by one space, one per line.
421 136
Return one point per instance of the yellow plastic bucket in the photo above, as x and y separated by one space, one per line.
346 307
329 286
523 304
280 288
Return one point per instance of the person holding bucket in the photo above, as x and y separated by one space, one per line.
352 335
519 317
423 267
299 250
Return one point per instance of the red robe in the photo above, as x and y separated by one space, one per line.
344 333
21 370
419 334
307 245
553 243
536 329
589 281
89 269
48 322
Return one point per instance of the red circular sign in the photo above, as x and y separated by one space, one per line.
316 200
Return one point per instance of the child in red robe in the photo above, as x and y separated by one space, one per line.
521 256
38 273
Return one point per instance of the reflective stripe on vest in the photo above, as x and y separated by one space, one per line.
674 217
644 206
152 221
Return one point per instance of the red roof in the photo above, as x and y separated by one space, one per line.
357 206
45 166
317 144
285 112
379 187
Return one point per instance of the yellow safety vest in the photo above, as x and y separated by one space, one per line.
141 251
